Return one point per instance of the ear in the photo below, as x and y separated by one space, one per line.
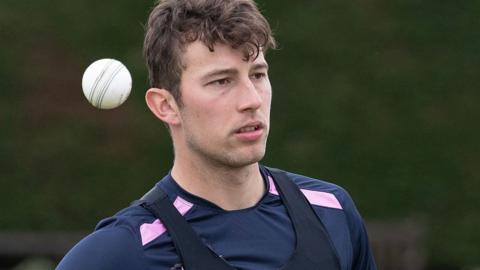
163 105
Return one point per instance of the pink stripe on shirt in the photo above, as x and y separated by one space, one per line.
319 198
322 198
150 231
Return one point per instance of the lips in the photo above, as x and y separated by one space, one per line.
250 127
251 132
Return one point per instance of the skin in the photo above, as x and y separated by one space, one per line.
220 132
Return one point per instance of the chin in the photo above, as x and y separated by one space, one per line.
246 159
236 157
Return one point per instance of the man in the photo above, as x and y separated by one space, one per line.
218 208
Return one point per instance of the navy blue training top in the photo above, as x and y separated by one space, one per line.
256 238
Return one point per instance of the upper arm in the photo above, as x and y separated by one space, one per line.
362 254
105 249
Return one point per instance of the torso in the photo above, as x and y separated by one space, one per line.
260 237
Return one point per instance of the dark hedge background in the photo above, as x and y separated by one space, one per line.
377 96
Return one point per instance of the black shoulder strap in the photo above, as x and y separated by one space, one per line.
314 246
191 250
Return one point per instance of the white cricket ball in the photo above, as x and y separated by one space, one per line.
106 83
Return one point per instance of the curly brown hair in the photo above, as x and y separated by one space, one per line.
173 24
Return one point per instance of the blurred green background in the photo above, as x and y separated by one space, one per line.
377 96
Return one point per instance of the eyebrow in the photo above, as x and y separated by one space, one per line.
262 65
231 71
220 72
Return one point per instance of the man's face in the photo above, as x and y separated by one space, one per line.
226 105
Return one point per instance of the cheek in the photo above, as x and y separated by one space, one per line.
267 98
206 115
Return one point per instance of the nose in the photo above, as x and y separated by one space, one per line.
249 97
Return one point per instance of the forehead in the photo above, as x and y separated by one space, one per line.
198 58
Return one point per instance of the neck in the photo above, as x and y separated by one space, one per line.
228 188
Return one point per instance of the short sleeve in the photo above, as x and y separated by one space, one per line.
362 255
105 249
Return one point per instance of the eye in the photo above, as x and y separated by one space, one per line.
220 82
259 75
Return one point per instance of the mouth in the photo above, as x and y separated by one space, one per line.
251 127
251 132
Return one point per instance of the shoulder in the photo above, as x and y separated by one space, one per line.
129 218
331 197
323 193
115 243
327 198
315 184
326 194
